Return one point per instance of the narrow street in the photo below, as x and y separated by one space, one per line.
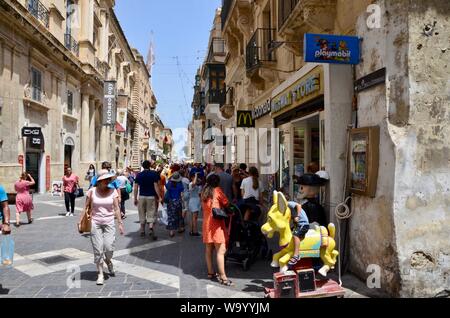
50 251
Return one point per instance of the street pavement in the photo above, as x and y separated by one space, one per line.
52 260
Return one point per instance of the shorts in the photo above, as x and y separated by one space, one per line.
147 210
301 230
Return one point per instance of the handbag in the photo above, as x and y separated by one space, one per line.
86 221
128 188
219 214
79 193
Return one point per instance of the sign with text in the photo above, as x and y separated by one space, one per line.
31 131
245 119
371 80
335 49
109 103
262 110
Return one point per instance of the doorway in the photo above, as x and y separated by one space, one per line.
33 165
68 151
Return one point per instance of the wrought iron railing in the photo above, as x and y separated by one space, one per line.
71 44
285 8
226 7
39 11
258 48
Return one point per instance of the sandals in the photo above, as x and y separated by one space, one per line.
213 276
30 221
294 260
172 234
152 234
226 282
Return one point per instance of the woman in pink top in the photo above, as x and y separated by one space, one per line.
70 184
105 208
24 202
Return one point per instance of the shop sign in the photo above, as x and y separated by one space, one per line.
262 110
109 103
336 49
302 91
371 80
31 131
245 120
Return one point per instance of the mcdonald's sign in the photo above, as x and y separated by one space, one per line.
245 119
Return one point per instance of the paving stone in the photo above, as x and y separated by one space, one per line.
132 293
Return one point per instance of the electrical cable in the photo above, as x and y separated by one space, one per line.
343 211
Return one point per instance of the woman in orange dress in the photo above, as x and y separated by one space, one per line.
215 234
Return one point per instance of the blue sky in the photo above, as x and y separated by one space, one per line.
180 28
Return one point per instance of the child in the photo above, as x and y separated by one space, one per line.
195 188
301 227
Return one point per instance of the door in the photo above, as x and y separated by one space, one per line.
68 151
32 167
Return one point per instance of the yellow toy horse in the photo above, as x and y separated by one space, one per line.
317 242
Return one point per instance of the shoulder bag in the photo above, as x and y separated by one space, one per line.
86 221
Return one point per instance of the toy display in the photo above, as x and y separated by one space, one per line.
318 243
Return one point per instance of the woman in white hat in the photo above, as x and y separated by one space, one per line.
105 208
174 197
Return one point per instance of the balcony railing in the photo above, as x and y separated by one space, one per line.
258 48
39 11
71 44
226 7
285 8
217 96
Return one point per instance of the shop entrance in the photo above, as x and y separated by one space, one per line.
300 152
33 164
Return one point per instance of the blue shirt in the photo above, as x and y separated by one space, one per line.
146 181
303 218
3 198
195 170
175 191
113 185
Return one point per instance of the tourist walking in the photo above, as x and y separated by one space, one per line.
146 196
250 193
174 199
123 184
5 213
194 205
226 181
90 173
104 203
185 182
70 185
24 201
215 235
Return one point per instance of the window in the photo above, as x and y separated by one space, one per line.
69 102
36 85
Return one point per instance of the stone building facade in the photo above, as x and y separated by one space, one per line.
55 56
402 229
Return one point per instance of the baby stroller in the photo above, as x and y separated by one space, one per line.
246 241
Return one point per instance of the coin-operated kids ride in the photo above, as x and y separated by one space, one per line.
318 243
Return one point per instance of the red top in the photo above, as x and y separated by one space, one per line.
69 183
214 231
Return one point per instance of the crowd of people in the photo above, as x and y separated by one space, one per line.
183 190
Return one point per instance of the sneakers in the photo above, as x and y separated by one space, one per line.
68 214
111 269
71 214
100 280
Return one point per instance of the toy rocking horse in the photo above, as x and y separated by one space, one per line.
318 243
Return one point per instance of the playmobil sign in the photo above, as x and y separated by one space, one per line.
336 49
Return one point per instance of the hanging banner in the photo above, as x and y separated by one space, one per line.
335 49
122 117
109 103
